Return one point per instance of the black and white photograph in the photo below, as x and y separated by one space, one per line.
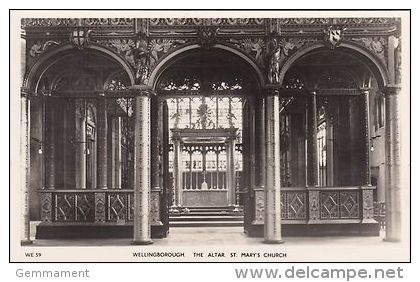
210 136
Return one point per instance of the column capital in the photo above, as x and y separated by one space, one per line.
26 93
365 90
392 90
142 90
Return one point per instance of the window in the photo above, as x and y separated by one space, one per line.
200 112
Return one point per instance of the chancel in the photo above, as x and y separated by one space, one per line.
131 127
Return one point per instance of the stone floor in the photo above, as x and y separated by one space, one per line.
221 236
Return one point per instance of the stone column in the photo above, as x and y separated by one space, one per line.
142 228
272 222
392 165
230 172
156 189
259 192
102 131
80 143
177 173
50 148
312 165
366 138
155 148
261 136
25 165
116 152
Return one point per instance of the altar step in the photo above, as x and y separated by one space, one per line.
206 217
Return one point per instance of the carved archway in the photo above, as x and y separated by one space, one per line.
164 63
48 59
373 63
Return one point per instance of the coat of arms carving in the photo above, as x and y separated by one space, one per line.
333 37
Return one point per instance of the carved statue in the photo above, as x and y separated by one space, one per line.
274 53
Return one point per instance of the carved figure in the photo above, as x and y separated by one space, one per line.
38 47
274 53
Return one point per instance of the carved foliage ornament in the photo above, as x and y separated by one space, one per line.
333 36
143 54
375 44
252 46
206 36
206 21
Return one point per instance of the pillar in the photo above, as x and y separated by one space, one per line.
272 222
25 164
116 152
51 142
312 165
142 228
155 195
261 142
259 192
230 172
154 123
392 165
102 158
366 175
80 143
177 173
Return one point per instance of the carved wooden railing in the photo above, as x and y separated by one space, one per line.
89 206
310 205
319 205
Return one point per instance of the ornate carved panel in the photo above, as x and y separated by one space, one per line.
117 206
100 207
296 205
339 204
74 207
46 207
84 207
329 205
368 210
349 204
64 207
314 213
